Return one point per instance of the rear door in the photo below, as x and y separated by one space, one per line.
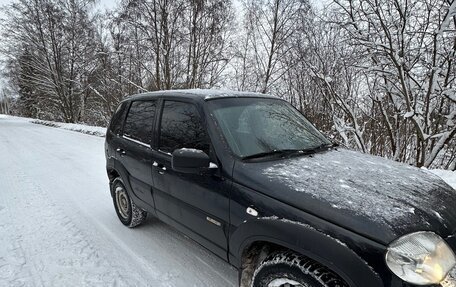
136 154
196 204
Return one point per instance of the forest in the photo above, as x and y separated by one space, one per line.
376 76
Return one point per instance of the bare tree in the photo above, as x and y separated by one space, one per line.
270 26
5 101
179 43
409 49
55 38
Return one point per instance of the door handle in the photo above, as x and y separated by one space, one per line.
161 167
121 151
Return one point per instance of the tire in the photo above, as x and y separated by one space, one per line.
127 211
288 269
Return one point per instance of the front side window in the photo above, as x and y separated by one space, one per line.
182 127
140 121
259 125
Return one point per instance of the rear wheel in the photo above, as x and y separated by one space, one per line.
288 269
127 211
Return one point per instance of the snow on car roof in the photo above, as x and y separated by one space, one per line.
206 94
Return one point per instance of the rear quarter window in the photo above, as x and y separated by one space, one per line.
117 119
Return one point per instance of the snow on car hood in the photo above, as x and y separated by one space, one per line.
373 196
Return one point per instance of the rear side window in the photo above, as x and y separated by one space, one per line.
140 121
182 127
117 120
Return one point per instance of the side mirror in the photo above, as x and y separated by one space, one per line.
190 161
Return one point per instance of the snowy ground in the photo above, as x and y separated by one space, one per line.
58 226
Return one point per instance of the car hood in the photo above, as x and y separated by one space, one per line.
372 196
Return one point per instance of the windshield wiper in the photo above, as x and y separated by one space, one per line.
288 152
320 147
281 152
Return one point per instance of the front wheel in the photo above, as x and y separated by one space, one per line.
128 213
288 269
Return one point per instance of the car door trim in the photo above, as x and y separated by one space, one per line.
136 141
213 221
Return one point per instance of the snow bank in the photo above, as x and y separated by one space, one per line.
91 130
447 175
81 128
10 117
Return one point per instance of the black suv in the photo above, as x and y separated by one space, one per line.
248 177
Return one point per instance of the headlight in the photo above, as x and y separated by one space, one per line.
421 258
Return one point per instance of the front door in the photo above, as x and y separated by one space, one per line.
196 204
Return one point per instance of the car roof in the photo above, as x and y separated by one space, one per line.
202 94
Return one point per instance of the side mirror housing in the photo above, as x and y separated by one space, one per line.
190 161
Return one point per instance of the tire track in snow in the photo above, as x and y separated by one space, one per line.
57 250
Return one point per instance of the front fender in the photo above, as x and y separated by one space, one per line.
307 240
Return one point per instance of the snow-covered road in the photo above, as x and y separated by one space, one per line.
58 226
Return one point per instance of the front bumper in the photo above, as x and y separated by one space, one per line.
450 281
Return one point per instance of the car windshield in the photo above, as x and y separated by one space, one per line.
253 126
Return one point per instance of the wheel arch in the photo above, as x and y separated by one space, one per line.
247 247
117 170
112 173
